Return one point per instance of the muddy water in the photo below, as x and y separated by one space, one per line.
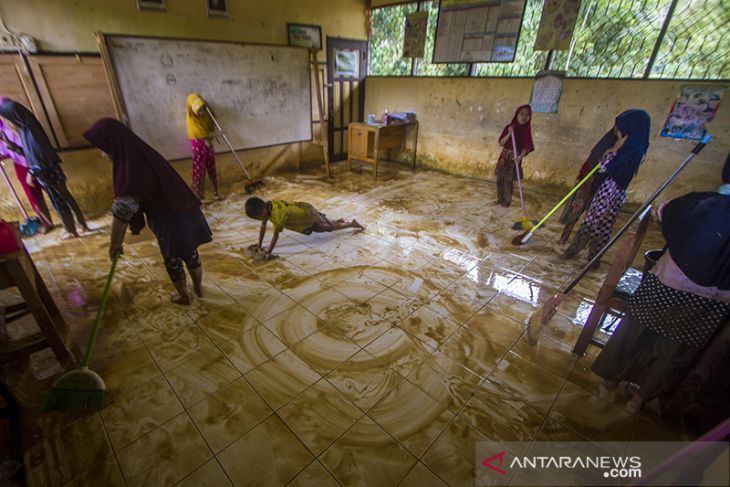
378 349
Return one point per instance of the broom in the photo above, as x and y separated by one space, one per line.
525 237
525 223
551 305
250 184
31 225
82 388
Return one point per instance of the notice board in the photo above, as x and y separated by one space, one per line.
478 30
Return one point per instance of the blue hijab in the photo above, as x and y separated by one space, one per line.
625 164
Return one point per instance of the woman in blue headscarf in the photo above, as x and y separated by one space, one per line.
618 167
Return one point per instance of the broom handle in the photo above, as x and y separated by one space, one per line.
15 195
639 213
223 134
100 312
529 235
517 170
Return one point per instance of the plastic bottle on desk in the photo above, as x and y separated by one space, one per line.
384 119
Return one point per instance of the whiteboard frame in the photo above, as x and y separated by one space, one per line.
120 107
517 43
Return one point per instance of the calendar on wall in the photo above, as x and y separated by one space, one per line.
477 30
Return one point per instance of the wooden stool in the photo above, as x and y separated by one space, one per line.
621 282
17 270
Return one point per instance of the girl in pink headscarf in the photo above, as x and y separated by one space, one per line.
520 129
9 141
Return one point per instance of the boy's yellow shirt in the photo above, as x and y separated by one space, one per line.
199 126
296 216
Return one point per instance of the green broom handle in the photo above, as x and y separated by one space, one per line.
560 203
100 312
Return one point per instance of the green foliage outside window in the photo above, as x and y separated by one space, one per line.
386 41
613 39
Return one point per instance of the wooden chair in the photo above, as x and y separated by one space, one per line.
621 282
18 270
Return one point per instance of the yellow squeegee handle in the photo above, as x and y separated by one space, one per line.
100 312
560 203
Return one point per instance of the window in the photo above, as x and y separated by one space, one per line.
527 62
386 41
631 39
424 66
697 42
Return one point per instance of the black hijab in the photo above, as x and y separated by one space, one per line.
37 148
696 228
139 170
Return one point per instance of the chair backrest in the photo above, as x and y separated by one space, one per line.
628 247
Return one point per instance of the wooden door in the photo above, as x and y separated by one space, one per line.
346 70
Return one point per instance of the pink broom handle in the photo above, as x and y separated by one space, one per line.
517 170
15 195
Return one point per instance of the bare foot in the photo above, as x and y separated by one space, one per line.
217 197
182 300
68 236
46 228
496 203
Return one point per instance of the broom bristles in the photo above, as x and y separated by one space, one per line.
79 389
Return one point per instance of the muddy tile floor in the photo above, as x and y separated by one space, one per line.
375 358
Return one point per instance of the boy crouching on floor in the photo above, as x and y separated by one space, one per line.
297 216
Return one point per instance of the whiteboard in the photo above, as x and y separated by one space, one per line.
260 94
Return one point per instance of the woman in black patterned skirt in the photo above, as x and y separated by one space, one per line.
681 305
611 183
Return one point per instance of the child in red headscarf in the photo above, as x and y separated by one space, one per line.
520 129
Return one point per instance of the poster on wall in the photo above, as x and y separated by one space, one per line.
477 30
557 24
695 107
546 91
347 63
303 35
414 38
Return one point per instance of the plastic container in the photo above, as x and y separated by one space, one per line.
8 238
384 119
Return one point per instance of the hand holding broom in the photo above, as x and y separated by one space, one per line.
550 307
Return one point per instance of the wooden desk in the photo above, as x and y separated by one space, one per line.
366 141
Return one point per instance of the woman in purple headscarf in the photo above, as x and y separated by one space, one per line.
146 185
618 167
10 148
